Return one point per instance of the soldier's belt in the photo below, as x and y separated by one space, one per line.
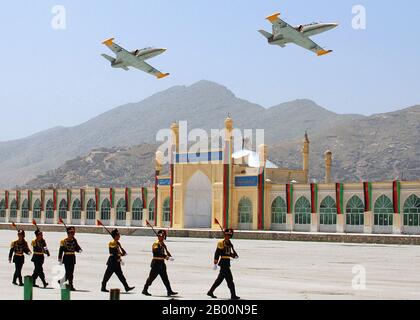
158 258
226 257
68 253
19 254
39 253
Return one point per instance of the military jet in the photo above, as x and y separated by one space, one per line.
125 59
284 33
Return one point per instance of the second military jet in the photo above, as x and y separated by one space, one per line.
284 33
136 58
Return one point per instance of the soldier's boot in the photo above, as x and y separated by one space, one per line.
103 288
233 295
172 293
211 291
145 292
14 280
20 281
127 287
44 283
72 288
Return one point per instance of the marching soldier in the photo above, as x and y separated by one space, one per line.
158 266
17 249
40 249
114 262
67 255
224 252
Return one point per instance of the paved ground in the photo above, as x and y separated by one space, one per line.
265 270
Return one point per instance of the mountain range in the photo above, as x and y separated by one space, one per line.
117 147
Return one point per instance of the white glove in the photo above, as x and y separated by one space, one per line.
60 262
122 263
171 259
215 267
80 251
236 258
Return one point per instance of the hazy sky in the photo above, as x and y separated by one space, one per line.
56 77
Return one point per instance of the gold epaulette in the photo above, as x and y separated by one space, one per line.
221 244
33 243
113 244
155 244
62 242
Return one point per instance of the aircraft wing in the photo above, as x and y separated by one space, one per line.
143 66
290 34
113 46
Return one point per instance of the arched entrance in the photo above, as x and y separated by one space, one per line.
198 200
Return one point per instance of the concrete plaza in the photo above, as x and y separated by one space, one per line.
266 269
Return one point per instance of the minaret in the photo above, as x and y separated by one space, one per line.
227 172
305 156
228 128
263 155
158 162
328 163
175 136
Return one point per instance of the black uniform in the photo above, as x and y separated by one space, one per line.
67 254
17 249
40 249
114 265
158 266
224 252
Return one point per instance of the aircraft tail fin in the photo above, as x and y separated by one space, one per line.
323 52
107 57
266 34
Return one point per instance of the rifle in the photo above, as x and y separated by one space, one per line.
164 245
34 223
221 228
45 250
62 222
14 225
99 222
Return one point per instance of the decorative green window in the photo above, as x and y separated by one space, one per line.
166 210
76 212
2 209
245 210
13 209
37 209
25 209
383 211
328 212
137 210
278 211
303 211
152 210
412 211
49 209
91 210
106 210
355 212
62 209
121 210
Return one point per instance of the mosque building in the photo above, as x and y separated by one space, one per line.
243 190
